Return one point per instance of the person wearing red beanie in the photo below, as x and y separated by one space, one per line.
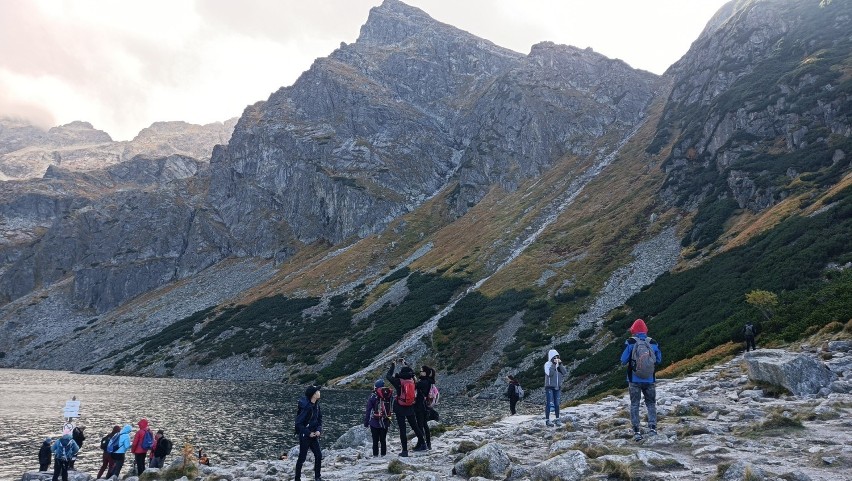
641 355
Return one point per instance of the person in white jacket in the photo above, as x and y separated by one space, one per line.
554 374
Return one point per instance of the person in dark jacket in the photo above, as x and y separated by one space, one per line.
309 427
107 462
512 393
161 448
64 449
637 386
425 380
750 331
404 413
44 455
79 436
377 417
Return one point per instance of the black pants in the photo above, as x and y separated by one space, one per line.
380 437
423 422
403 437
750 344
306 442
43 466
140 462
118 459
513 401
60 467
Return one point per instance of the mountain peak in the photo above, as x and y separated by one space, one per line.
394 21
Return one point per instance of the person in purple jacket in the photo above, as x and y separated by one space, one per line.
378 414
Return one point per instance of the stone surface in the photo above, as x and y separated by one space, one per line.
491 457
801 374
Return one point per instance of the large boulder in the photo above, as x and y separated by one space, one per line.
799 373
570 466
489 461
355 437
743 471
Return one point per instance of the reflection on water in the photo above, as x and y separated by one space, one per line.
230 420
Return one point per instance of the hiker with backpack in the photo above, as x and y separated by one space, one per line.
641 355
45 454
554 374
514 392
309 429
106 461
78 436
142 443
162 448
64 450
749 331
378 416
117 448
403 405
426 398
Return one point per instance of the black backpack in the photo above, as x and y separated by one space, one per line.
164 446
105 441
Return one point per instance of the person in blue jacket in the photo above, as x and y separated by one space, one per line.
64 450
119 453
309 427
641 386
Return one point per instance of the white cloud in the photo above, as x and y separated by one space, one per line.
123 65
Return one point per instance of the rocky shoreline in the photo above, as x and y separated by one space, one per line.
736 421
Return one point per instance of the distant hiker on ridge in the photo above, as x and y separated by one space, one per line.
554 374
513 392
749 331
641 355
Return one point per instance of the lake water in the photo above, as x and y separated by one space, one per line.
230 420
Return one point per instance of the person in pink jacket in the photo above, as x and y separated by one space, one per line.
138 448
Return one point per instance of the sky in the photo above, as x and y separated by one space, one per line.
123 64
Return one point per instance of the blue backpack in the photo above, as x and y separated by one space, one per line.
148 440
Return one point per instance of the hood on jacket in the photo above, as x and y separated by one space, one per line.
638 326
126 429
406 372
304 402
551 354
143 423
66 436
47 441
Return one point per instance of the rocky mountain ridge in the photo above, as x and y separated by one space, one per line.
422 180
27 152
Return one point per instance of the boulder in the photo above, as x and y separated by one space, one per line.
742 471
355 437
48 476
801 374
571 466
490 460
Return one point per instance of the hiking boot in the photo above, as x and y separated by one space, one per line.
557 422
548 423
653 429
420 447
403 454
637 436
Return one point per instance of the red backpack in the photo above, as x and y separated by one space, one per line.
407 393
384 400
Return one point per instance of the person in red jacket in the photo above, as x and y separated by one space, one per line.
138 449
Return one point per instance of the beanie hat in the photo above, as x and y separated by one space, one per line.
47 440
379 383
638 327
310 391
406 372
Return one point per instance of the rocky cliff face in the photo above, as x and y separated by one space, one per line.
26 152
758 101
373 130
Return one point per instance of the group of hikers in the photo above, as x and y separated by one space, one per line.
412 401
115 446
